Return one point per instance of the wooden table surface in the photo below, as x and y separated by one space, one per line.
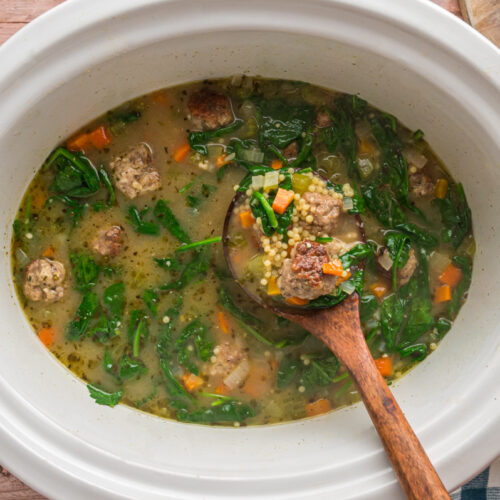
484 15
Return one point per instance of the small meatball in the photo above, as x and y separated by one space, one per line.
325 209
210 110
133 172
291 151
421 184
44 280
302 275
227 356
323 118
109 241
406 272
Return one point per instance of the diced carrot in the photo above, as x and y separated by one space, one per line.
276 164
344 278
221 160
282 199
222 389
180 154
191 381
272 286
365 147
258 381
160 98
443 294
247 219
441 188
378 289
384 366
451 275
334 268
318 407
297 301
100 137
38 199
49 252
78 143
224 326
47 336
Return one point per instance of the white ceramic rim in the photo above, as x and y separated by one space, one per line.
42 464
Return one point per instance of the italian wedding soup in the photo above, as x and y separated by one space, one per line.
119 264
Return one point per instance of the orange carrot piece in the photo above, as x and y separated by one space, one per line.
297 301
49 252
443 294
78 143
221 160
272 286
100 137
276 164
366 147
224 326
378 289
247 219
283 198
47 336
222 389
451 275
318 407
191 381
258 381
181 153
38 199
334 268
160 98
384 366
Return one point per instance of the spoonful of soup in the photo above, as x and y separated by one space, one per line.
292 245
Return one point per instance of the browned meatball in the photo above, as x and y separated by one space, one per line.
133 172
291 151
323 118
210 110
302 275
226 357
325 209
406 272
109 241
421 185
44 280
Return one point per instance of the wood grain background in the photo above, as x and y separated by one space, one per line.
484 15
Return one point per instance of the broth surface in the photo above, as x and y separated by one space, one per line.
170 332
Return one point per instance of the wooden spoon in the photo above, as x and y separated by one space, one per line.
339 327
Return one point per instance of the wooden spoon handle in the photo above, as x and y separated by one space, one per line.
339 328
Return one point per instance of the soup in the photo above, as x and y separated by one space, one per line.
119 266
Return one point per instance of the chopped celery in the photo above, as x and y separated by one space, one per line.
271 180
301 182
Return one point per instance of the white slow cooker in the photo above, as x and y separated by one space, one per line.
409 58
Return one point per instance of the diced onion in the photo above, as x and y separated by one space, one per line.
438 262
271 179
414 157
347 287
257 181
21 257
365 167
253 154
238 375
348 203
385 260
